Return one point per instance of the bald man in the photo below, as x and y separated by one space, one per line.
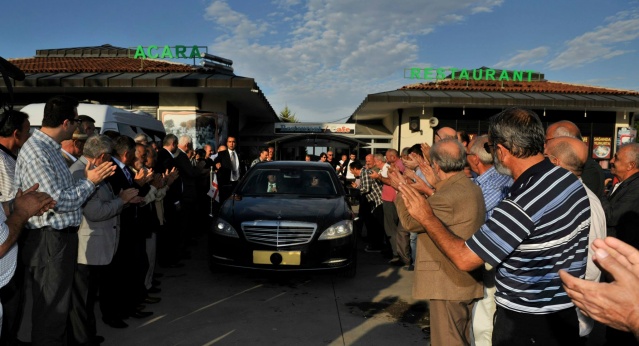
571 153
592 174
443 133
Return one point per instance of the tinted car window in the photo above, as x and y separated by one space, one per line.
288 181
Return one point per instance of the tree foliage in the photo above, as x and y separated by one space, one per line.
286 116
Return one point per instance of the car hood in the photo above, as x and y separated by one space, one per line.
319 210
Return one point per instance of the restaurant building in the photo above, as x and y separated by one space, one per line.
408 115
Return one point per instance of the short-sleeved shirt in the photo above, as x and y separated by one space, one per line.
539 228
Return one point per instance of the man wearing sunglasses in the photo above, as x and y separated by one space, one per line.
541 227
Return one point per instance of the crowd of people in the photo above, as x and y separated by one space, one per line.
508 233
91 215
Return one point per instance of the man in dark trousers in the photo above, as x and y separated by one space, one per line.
129 264
622 214
229 169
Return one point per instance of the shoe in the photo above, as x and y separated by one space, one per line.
98 339
154 290
140 307
151 300
409 268
155 282
396 262
115 323
141 314
371 249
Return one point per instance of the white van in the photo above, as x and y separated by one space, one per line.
107 118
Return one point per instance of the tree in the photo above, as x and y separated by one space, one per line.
287 116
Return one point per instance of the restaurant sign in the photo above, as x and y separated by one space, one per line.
168 52
464 74
291 128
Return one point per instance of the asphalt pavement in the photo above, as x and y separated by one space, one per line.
259 308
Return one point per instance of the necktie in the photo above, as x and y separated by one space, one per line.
234 166
127 174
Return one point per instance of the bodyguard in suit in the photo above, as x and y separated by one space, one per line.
622 214
98 238
459 204
229 170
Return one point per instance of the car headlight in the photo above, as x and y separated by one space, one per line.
339 230
224 228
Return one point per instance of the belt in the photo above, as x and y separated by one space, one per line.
70 229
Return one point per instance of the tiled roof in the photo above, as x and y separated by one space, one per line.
98 65
533 87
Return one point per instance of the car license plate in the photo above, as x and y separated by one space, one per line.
290 258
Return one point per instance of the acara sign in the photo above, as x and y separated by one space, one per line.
464 74
169 52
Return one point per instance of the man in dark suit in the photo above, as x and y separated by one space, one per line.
622 213
167 237
129 265
229 169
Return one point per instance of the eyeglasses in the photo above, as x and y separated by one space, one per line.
489 147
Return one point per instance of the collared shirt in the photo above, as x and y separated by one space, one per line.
7 191
494 186
7 174
173 156
40 161
71 157
124 169
539 228
370 188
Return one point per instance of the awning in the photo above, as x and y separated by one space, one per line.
317 140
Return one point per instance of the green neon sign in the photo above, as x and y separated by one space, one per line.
168 52
468 75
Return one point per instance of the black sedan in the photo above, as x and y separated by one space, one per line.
286 215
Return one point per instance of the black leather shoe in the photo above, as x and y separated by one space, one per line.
140 307
151 300
115 323
154 290
141 314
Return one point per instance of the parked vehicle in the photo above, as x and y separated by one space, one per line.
303 222
108 118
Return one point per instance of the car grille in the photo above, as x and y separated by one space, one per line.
279 233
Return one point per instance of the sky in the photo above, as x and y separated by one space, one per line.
321 58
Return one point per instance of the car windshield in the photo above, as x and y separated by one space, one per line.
274 181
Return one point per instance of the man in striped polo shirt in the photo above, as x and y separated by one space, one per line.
539 228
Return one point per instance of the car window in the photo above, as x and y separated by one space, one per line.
287 181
